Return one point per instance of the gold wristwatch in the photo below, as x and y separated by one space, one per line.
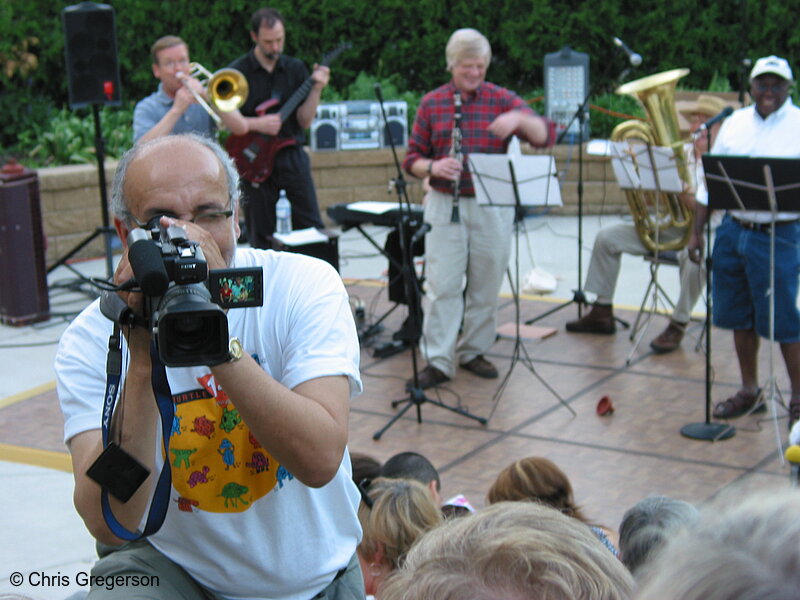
235 350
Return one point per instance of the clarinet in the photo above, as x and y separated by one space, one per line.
455 152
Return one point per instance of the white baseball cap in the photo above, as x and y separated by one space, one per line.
772 64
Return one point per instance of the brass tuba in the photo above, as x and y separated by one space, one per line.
657 94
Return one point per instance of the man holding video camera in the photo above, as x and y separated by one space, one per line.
261 502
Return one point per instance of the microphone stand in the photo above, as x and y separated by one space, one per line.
707 430
416 396
578 295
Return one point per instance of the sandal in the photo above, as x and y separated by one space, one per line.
740 404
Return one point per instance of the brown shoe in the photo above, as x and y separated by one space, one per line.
739 404
669 339
481 367
428 377
598 320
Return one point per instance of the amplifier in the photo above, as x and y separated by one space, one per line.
327 249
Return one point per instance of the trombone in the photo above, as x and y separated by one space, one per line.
227 89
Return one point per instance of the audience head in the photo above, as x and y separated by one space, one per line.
412 465
364 467
535 478
743 545
393 514
648 524
509 551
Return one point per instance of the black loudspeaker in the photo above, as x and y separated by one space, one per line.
396 127
325 128
23 294
90 48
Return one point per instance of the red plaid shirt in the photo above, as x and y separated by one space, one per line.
433 128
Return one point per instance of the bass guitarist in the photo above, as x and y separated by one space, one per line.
273 77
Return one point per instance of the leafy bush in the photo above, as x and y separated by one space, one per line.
69 137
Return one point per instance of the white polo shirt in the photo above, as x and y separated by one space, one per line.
746 133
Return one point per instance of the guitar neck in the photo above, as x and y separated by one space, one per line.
295 99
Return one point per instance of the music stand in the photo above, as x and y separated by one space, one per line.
646 168
765 184
497 184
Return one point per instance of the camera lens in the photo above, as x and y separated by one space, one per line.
191 329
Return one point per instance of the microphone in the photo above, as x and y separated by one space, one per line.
148 266
723 114
633 58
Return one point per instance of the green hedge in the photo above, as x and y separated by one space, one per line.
400 41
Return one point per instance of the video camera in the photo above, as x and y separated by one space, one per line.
183 300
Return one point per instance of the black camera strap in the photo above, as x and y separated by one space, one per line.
118 473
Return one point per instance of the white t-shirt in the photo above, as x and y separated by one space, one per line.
746 133
238 522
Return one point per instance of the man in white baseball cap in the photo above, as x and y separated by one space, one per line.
770 127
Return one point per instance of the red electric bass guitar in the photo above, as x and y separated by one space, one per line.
254 153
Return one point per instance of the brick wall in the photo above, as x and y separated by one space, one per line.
71 200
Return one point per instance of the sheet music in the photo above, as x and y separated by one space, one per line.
373 207
634 170
301 237
536 177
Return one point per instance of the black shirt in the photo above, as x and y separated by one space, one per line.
288 75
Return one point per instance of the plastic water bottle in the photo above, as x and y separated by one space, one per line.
283 214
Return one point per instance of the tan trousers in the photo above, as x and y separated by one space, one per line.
465 264
612 241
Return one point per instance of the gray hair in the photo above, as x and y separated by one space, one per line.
119 202
648 524
465 44
509 550
744 546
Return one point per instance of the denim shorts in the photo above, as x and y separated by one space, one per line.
741 278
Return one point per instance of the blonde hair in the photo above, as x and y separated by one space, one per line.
744 546
509 551
466 44
402 510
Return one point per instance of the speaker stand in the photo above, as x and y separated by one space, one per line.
106 230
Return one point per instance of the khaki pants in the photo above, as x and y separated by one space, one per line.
612 241
465 264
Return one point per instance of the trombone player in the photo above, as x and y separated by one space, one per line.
614 240
174 108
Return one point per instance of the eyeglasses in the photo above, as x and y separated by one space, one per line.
363 486
775 88
205 219
171 64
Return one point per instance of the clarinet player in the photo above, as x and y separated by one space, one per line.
468 245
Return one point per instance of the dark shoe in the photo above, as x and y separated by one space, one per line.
669 339
428 377
598 320
739 404
481 367
794 413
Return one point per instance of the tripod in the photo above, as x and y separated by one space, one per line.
416 396
520 353
106 230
